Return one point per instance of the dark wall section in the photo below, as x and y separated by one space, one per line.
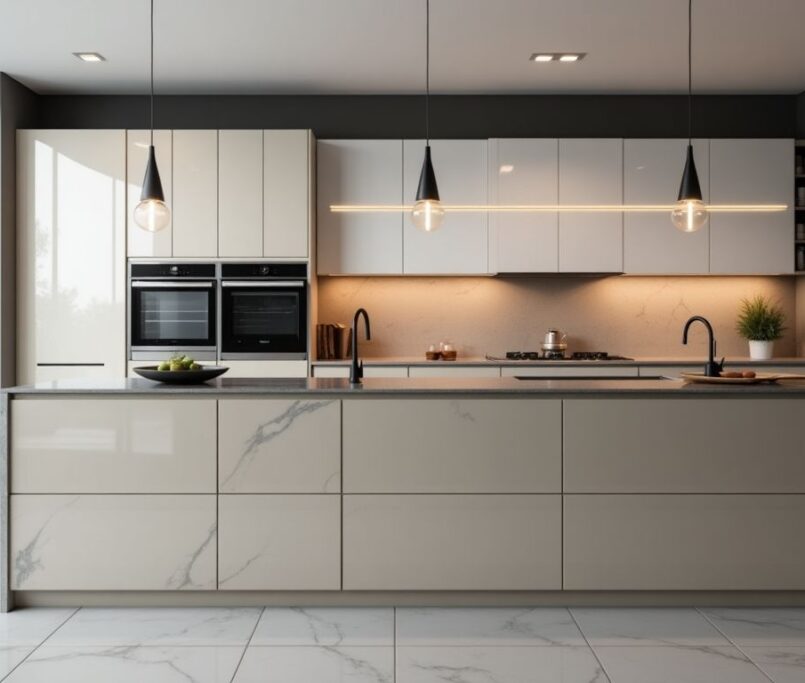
18 109
451 116
801 116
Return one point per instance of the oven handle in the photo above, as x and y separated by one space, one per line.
236 283
170 285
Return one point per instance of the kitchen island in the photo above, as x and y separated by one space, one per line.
460 491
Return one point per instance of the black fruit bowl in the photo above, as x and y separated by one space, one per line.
206 373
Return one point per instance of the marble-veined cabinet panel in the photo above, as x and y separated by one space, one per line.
279 446
453 542
116 542
452 446
113 446
279 542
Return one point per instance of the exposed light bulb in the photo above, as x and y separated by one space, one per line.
428 215
152 215
689 215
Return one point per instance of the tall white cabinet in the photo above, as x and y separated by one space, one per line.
459 247
590 172
71 241
524 171
195 193
751 172
240 192
652 171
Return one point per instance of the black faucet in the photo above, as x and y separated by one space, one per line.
356 369
712 369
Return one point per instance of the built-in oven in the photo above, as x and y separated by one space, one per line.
173 309
264 311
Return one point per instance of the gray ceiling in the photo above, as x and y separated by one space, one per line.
377 46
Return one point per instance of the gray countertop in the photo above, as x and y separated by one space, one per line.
405 386
645 361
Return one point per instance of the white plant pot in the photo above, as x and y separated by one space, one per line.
761 350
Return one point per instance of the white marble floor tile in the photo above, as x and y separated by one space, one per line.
486 626
11 655
760 626
321 664
782 663
678 664
30 626
332 626
498 665
646 626
128 664
158 627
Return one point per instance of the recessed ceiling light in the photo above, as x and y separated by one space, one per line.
557 56
90 56
570 58
542 58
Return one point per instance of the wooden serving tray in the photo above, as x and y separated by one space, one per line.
759 378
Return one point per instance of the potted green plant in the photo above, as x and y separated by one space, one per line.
761 323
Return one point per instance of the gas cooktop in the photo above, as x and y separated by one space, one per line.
556 355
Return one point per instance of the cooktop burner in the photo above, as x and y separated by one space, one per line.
559 355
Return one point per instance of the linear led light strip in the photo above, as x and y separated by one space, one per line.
550 208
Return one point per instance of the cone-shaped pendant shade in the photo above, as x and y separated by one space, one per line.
428 189
152 184
689 188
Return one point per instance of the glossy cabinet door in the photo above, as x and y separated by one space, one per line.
142 243
279 542
240 193
570 371
752 172
684 542
123 542
461 245
279 446
590 172
458 446
79 445
365 172
523 171
447 370
456 542
266 368
652 171
71 258
286 193
195 193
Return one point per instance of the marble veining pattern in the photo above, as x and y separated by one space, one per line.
270 430
402 645
182 578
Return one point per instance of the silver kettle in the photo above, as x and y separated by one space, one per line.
554 340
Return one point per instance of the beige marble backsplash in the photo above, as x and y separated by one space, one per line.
630 316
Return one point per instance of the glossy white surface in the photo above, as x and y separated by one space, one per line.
769 626
524 171
652 171
195 193
461 245
359 172
265 368
240 193
326 626
121 446
286 193
71 274
346 664
445 370
141 242
125 542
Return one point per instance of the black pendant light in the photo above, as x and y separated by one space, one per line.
690 212
152 214
428 212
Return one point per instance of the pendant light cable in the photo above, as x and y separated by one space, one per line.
427 72
152 73
690 72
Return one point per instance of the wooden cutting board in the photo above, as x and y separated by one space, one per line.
759 378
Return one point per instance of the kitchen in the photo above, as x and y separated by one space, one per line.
465 301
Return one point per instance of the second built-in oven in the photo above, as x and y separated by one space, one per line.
264 311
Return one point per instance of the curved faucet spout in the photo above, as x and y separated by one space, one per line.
711 369
356 368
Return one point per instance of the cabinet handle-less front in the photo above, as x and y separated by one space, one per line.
233 283
169 285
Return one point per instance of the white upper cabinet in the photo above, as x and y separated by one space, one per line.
195 193
141 242
71 275
751 172
286 193
652 171
460 246
591 172
240 193
524 171
359 172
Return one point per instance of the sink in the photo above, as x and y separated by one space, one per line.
598 378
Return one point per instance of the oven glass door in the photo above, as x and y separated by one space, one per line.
264 317
173 314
